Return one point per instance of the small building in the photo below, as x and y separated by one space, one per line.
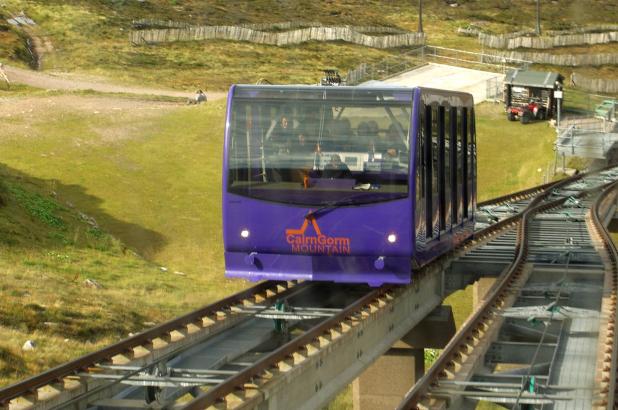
521 86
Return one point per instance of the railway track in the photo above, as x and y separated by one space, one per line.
229 351
544 335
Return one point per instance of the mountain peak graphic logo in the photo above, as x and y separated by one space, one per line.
301 242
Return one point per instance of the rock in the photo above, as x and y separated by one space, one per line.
91 283
88 219
29 345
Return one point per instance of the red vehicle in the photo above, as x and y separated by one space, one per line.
534 110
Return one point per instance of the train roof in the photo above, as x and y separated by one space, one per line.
370 89
428 95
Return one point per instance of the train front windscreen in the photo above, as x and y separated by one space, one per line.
314 146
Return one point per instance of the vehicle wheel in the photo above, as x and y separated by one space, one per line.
525 118
510 116
154 393
541 115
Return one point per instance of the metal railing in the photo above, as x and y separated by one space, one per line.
422 55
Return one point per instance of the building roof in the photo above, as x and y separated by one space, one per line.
527 78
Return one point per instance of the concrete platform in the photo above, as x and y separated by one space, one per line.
482 85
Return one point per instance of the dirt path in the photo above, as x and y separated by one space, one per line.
65 82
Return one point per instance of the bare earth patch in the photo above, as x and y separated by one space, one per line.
66 81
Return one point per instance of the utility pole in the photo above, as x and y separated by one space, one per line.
420 16
538 17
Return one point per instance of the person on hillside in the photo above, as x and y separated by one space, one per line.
198 98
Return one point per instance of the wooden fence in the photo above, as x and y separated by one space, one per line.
597 85
142 24
546 42
237 33
570 60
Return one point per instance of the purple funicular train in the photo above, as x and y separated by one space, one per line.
345 184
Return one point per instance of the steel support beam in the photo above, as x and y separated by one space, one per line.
341 358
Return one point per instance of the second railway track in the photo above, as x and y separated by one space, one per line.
544 336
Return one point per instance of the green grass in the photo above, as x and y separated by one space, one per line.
157 191
510 154
47 252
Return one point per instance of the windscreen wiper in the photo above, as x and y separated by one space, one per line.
331 205
341 202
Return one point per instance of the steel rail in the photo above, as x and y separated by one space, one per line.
521 194
498 292
612 254
286 351
57 374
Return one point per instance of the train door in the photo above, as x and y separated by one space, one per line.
465 197
430 168
454 152
428 173
472 163
419 167
445 168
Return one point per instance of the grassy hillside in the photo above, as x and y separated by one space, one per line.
52 258
91 37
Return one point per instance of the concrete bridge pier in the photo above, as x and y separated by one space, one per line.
480 289
384 384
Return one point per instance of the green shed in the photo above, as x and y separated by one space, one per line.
520 86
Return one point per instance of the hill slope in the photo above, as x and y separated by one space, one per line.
65 283
91 37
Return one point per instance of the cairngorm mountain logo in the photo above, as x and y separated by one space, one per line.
302 242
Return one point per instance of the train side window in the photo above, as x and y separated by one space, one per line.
428 165
420 178
441 168
472 162
446 124
239 148
453 161
464 160
435 171
459 181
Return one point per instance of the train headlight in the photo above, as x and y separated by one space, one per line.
392 238
244 233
